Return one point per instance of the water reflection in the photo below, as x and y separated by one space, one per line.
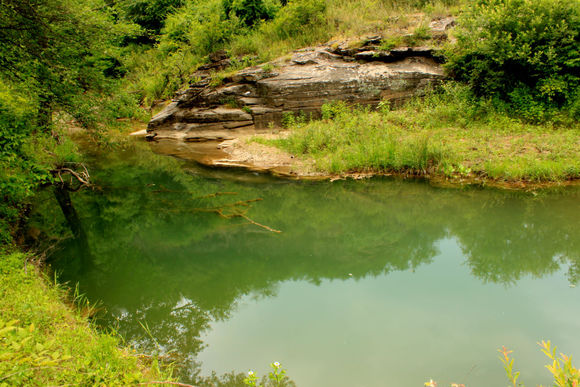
161 255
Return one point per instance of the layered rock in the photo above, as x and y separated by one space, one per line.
259 97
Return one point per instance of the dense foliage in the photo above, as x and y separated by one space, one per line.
149 15
61 54
250 12
56 56
251 31
523 52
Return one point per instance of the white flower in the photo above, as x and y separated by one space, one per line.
250 373
276 364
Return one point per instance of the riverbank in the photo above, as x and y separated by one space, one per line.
445 137
45 338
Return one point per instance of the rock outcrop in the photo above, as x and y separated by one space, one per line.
259 97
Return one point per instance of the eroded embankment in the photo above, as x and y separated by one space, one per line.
250 153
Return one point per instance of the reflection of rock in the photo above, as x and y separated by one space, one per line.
255 98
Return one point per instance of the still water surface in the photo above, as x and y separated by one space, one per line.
379 282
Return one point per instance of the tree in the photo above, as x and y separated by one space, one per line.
55 55
150 15
61 53
524 52
250 12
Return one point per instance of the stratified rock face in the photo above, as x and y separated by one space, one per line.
255 98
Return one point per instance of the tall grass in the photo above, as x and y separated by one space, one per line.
356 139
447 133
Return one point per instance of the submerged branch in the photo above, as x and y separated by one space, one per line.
260 225
240 214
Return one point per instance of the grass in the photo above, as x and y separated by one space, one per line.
44 341
446 134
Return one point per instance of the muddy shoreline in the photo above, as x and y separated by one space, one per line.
245 154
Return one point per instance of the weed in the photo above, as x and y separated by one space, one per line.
231 102
268 67
217 79
390 43
291 119
564 373
422 32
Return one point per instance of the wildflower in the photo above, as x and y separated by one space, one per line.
250 373
276 364
431 383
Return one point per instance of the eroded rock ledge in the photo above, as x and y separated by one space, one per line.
258 97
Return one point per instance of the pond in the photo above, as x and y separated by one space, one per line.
379 282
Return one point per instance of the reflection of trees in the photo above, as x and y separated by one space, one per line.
507 236
159 259
171 329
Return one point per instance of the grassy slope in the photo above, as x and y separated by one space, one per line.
43 341
443 135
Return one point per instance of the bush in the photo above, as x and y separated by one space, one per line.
199 27
250 12
297 16
149 14
524 52
27 154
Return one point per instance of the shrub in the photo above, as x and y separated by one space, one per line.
296 17
525 52
200 27
250 12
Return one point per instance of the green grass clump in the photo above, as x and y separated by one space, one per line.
448 133
44 342
358 140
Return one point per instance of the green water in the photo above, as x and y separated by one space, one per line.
379 282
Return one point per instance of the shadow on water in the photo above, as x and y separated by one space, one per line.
160 241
